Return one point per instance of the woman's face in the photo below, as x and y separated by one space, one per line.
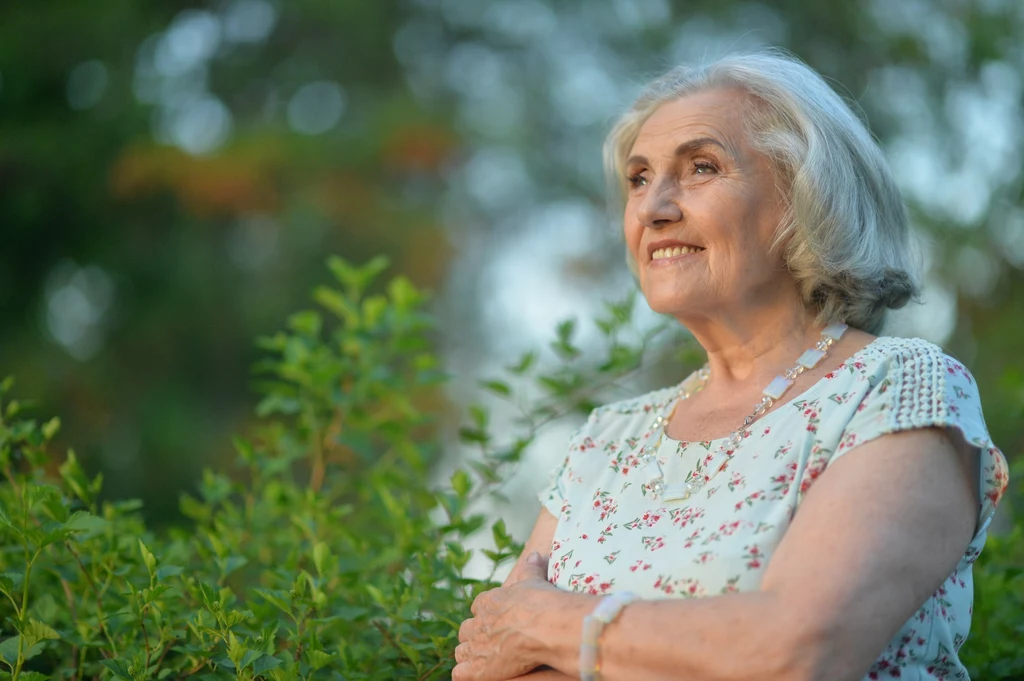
702 210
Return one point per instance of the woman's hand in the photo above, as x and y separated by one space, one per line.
498 642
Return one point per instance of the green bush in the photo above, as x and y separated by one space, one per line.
326 553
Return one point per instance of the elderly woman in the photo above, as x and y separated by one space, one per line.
807 505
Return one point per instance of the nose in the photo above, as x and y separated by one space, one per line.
660 206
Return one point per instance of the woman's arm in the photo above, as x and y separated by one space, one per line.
540 541
880 530
545 675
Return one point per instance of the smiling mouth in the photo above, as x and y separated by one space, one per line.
665 253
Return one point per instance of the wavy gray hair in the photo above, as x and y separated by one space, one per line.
844 234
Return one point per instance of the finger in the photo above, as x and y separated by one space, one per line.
478 603
465 629
461 654
462 673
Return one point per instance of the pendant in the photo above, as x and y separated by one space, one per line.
681 491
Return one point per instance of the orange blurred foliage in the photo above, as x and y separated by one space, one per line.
204 186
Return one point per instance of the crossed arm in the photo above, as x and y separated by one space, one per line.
878 533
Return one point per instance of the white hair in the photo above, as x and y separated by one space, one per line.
844 234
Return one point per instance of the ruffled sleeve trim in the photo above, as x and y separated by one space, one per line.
925 388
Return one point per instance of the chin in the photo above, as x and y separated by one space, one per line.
671 305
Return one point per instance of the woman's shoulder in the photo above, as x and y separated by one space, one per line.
915 383
647 403
913 360
630 413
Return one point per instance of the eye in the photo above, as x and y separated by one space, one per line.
637 180
704 168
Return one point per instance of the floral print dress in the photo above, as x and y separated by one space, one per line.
613 534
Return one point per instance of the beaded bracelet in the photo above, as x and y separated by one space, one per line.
593 624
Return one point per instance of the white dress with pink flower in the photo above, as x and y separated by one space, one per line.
613 535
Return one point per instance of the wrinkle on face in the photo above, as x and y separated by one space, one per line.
735 212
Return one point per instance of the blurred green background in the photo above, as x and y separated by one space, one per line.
172 176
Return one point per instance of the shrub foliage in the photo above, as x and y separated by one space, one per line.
325 552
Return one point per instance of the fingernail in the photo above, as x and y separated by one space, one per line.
533 558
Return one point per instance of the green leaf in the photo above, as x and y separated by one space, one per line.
230 564
321 557
83 521
193 508
498 387
50 428
502 539
473 435
357 278
277 404
349 612
148 558
279 599
118 667
403 294
37 631
524 364
9 650
318 659
479 416
32 676
485 470
496 557
244 448
50 498
165 571
209 595
308 323
10 582
461 483
264 664
13 408
240 654
374 308
337 303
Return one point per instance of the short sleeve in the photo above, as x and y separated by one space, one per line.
555 495
922 387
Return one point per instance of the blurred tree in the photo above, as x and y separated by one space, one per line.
171 175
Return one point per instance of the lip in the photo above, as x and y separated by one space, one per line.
669 243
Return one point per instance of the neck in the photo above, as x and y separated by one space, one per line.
755 345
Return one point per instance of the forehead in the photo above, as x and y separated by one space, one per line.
714 113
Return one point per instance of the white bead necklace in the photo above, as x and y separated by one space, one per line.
695 480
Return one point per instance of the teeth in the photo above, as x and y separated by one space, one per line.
672 252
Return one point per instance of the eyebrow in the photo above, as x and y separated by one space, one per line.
684 149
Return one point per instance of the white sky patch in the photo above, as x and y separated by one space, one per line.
78 300
524 21
316 107
249 21
193 38
525 290
199 126
934 319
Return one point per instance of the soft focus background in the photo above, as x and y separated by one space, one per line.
172 176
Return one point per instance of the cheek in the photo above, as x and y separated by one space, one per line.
632 230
